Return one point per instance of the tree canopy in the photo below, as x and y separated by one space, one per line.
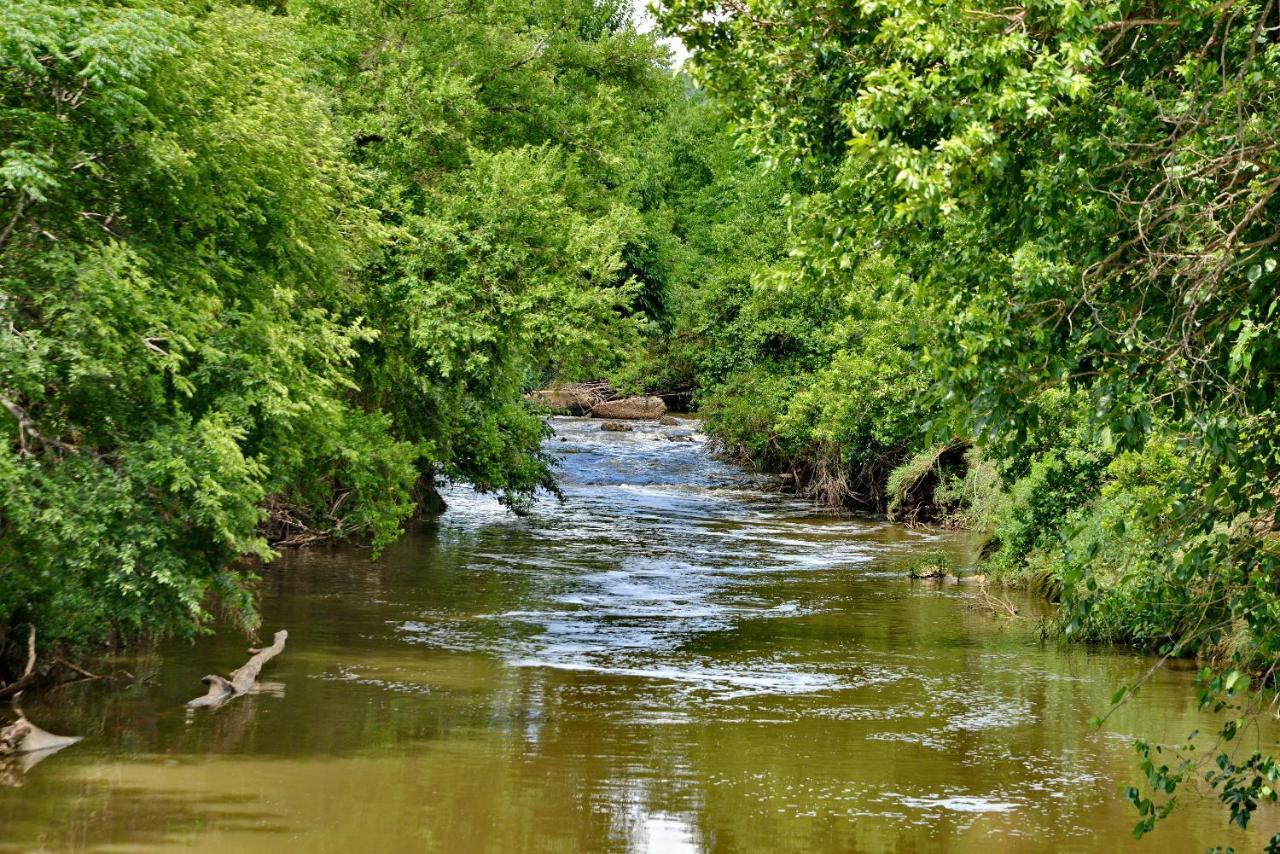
1080 203
269 277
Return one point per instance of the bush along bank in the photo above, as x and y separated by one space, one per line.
271 271
1058 220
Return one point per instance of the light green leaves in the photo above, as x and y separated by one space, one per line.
30 175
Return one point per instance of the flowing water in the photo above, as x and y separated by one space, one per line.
674 659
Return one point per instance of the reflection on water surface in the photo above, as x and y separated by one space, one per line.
673 660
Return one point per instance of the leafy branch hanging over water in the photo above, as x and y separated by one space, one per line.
264 275
1079 204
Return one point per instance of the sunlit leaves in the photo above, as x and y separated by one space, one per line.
1082 197
173 345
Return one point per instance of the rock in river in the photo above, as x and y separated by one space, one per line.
615 427
633 408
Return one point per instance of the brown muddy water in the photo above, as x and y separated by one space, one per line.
673 660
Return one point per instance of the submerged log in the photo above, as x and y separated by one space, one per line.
242 680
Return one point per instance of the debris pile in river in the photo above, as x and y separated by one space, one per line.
574 398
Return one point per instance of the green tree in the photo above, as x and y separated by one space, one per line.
174 351
1079 196
267 275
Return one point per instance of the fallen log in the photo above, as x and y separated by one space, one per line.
23 746
242 680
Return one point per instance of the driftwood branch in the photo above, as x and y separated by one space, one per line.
22 736
85 674
242 680
993 603
28 673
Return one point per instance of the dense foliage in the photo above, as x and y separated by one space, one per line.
796 369
494 138
1078 201
176 264
267 274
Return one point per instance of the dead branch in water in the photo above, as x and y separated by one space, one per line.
86 674
993 603
22 736
242 680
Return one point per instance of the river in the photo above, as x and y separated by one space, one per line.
675 659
